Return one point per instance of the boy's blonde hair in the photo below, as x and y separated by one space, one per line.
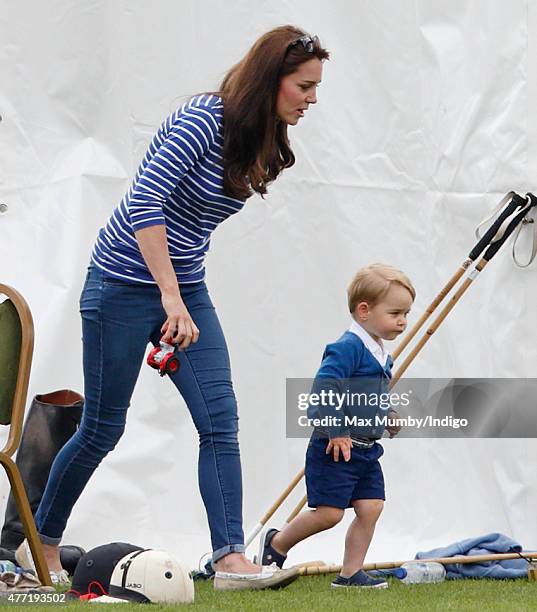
372 283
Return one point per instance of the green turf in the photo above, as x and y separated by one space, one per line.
314 593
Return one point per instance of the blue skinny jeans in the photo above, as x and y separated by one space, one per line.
118 320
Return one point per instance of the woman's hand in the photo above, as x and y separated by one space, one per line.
179 328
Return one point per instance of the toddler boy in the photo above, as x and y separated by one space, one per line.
380 298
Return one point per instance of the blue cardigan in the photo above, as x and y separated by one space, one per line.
349 367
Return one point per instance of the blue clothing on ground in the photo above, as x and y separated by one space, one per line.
338 484
490 543
118 320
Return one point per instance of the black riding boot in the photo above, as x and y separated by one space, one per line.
53 418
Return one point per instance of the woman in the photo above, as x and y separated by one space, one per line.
146 282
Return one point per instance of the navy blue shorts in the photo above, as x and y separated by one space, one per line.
338 484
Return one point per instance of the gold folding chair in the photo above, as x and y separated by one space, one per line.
16 348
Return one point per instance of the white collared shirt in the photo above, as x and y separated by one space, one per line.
377 348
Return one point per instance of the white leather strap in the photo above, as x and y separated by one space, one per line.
531 225
506 200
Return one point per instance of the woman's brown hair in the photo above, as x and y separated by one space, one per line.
256 145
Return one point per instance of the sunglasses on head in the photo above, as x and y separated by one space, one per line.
308 42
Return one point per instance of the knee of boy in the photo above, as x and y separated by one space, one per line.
338 516
371 510
330 516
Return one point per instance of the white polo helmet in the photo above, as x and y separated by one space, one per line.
149 576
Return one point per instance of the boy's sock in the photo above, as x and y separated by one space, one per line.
360 579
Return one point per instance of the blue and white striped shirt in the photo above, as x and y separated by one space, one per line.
179 184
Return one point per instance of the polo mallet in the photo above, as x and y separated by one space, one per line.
511 217
509 205
507 222
309 570
513 209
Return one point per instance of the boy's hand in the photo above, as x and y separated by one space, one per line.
393 430
337 445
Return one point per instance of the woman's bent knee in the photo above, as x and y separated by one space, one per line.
99 442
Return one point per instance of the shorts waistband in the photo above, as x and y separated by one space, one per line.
362 442
356 442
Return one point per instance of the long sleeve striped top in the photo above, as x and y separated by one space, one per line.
179 184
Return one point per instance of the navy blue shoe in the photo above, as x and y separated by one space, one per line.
267 554
360 579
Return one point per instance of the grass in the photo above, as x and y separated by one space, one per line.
312 593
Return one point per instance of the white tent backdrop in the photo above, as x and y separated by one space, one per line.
423 123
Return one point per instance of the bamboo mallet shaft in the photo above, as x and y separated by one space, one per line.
437 322
430 309
297 509
330 569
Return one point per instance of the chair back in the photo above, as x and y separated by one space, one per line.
16 348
